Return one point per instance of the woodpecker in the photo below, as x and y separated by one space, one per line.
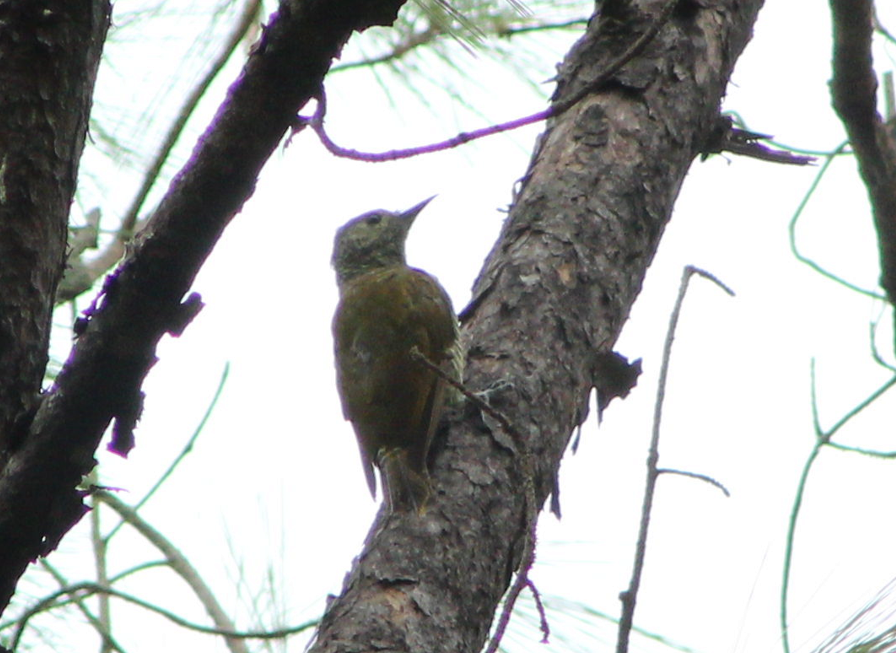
387 309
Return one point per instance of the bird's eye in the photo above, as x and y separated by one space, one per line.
374 219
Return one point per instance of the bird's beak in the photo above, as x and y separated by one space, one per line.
412 212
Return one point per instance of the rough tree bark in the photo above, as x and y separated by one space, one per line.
547 309
49 447
50 53
854 96
549 304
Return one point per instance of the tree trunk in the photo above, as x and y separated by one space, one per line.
49 52
547 309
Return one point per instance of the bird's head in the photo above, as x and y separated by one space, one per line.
373 240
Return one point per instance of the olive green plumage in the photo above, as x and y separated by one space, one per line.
385 310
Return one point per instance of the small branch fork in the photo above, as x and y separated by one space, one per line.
731 140
531 511
823 438
630 596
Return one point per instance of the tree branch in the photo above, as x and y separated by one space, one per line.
100 627
85 589
550 302
629 597
179 564
854 93
54 46
141 301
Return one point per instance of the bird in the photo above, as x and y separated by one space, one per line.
386 311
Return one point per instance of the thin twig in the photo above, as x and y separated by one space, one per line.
788 548
98 625
629 597
413 41
508 32
102 570
526 562
242 26
90 588
421 358
872 453
822 438
881 29
699 477
179 564
542 615
829 159
316 122
872 342
75 600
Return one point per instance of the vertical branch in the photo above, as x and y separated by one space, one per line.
50 53
99 544
629 597
854 96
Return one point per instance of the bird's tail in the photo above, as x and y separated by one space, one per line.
404 487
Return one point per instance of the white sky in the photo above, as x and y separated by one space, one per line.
275 481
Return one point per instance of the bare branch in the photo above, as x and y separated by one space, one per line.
551 298
141 301
409 44
98 625
316 122
700 477
99 546
797 214
88 588
179 564
629 597
822 438
39 167
854 93
728 138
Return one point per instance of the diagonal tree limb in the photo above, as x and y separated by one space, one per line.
101 629
141 300
179 564
551 299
